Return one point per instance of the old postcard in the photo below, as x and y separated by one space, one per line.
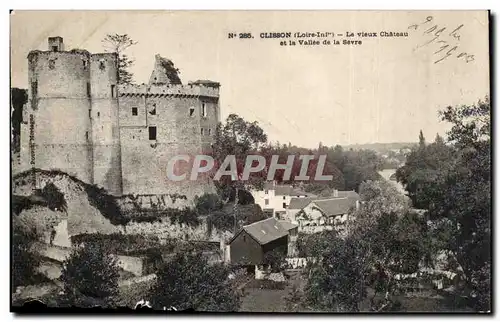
250 161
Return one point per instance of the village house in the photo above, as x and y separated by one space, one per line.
297 204
250 245
275 198
327 214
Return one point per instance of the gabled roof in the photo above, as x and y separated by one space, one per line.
284 190
348 194
264 231
334 207
299 203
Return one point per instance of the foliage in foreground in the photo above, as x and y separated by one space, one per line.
189 281
90 272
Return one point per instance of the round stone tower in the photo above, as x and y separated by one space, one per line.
105 122
59 110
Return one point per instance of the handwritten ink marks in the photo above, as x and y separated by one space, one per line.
444 41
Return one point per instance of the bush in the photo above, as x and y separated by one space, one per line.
276 259
208 203
189 281
92 272
24 261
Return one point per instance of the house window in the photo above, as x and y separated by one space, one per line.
87 135
55 48
90 113
134 111
266 192
98 114
85 64
52 64
266 202
102 66
203 110
284 205
244 238
113 94
209 131
202 131
283 197
191 111
88 89
152 132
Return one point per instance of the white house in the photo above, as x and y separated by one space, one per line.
275 198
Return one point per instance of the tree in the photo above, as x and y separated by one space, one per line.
276 259
117 43
208 203
453 183
90 271
385 239
421 139
24 260
188 281
239 138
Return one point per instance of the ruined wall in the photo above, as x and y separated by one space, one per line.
59 119
105 125
166 230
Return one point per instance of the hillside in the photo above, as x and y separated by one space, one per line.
380 147
63 201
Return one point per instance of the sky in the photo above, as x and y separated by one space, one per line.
384 90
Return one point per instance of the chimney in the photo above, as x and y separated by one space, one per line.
56 44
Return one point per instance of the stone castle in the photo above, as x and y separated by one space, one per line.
79 120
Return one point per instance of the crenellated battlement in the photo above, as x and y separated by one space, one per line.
191 90
119 137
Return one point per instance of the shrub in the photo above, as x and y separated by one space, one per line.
92 272
24 261
189 281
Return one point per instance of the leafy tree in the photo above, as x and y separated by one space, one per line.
208 203
239 138
117 43
453 182
313 245
386 239
24 260
189 281
276 259
90 271
421 139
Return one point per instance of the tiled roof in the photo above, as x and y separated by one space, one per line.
299 203
266 230
334 207
284 190
348 194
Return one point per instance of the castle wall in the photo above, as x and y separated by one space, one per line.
79 121
105 125
59 120
176 117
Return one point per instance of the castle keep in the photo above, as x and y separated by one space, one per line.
120 137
